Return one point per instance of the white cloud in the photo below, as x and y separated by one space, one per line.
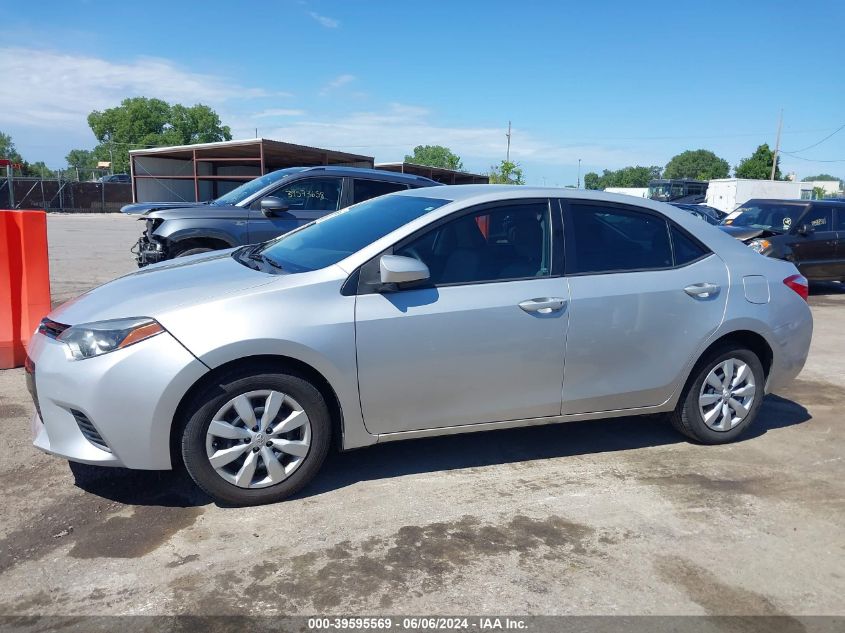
277 112
329 23
390 133
50 89
337 82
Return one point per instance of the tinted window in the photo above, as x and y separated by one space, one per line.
820 217
330 239
603 239
840 218
685 249
366 189
505 242
311 194
774 216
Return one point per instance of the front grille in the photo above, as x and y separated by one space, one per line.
89 431
51 329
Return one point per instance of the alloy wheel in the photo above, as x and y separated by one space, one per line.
258 439
727 394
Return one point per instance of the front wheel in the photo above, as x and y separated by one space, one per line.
256 438
722 398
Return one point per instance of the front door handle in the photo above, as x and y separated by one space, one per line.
703 290
544 305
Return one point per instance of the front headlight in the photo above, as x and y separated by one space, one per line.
759 246
92 339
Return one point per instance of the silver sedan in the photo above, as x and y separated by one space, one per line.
428 312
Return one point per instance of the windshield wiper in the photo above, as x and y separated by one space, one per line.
254 255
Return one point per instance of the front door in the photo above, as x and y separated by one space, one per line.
815 252
645 295
307 199
483 341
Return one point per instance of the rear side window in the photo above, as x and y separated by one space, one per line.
685 249
366 189
610 239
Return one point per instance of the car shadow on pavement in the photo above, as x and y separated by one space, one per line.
821 288
472 450
164 488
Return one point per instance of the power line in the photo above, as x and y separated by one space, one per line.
813 160
798 151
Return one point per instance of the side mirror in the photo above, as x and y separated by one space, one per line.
271 206
395 269
806 229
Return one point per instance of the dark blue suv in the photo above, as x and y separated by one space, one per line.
259 210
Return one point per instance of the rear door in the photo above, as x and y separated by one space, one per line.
816 252
307 199
644 296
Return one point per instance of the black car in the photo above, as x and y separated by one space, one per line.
124 178
259 210
809 233
708 214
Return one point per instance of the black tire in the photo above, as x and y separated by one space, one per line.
193 251
687 418
209 400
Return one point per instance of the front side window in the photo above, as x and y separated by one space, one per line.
311 194
335 237
604 239
510 241
366 189
244 191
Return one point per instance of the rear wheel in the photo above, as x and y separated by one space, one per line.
256 438
722 398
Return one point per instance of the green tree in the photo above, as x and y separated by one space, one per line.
81 161
700 164
819 193
141 122
38 169
758 166
636 176
435 156
7 149
506 173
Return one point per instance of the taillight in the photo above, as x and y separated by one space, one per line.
799 284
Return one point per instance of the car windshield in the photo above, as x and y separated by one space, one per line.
658 192
769 216
244 191
334 237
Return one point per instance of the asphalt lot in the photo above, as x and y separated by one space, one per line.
607 517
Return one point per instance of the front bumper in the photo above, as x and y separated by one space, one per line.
147 251
128 397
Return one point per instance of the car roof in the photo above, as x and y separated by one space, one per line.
381 174
492 193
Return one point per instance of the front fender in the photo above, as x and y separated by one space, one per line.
179 230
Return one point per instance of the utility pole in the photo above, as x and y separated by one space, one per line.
777 146
578 186
508 156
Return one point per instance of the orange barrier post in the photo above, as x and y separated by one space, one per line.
24 281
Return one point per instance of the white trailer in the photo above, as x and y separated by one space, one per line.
726 194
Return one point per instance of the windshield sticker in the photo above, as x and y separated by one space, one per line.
787 222
734 215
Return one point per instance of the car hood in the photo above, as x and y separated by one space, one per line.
160 288
743 233
140 208
206 211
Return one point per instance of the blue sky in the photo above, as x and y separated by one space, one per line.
612 83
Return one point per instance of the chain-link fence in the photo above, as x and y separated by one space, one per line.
63 195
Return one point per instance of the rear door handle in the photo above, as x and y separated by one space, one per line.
703 290
544 305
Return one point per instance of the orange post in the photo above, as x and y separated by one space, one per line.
24 281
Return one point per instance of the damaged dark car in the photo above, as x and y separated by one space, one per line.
259 210
808 233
